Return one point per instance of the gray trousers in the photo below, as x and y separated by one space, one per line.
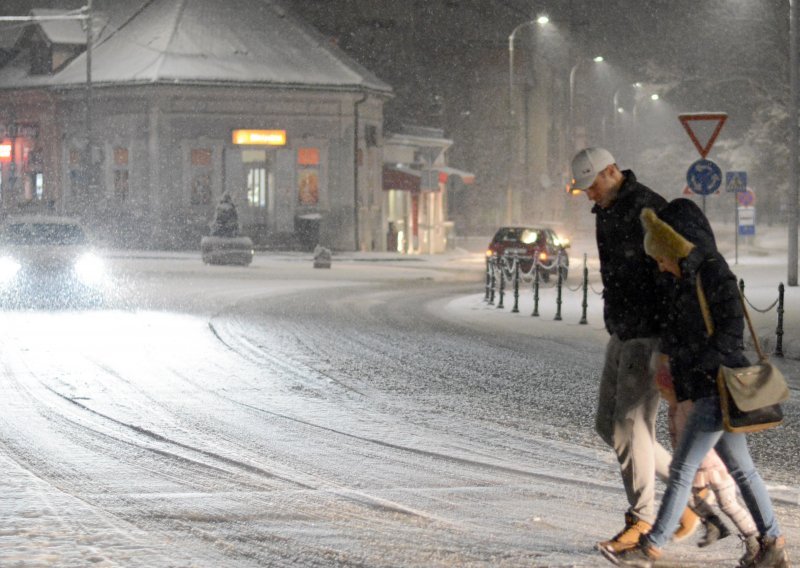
626 416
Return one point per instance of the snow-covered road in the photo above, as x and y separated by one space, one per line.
282 416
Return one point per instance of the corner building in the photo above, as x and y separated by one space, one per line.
185 101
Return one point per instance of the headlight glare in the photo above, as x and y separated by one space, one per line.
90 269
8 268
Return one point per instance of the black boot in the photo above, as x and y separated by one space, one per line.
715 530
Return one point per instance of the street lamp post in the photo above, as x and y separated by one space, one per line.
541 21
596 59
634 126
617 109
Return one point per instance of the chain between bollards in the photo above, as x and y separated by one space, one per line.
585 303
515 309
779 302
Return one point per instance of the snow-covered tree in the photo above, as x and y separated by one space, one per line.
226 218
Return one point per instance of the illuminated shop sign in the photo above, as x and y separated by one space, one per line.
260 137
5 152
18 130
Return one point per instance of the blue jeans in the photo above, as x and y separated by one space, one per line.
704 431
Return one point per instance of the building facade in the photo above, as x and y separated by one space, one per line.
182 103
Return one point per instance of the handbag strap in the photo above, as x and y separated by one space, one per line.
701 296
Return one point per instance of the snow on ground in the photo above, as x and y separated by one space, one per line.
425 485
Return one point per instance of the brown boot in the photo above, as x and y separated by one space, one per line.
627 537
772 554
642 555
688 524
751 548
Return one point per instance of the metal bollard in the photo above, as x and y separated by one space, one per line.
779 331
585 303
492 285
515 309
741 286
488 278
501 262
560 280
535 289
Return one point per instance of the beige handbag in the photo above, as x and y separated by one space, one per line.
750 397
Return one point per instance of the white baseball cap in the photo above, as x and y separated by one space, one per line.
587 164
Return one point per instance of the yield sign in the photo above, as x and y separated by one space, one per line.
712 121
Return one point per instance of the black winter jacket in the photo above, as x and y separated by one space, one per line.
694 356
629 275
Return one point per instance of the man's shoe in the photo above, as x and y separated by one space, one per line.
772 553
627 537
642 555
688 524
751 548
715 530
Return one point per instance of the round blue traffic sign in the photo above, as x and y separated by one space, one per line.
704 177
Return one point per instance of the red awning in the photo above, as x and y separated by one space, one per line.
401 177
446 171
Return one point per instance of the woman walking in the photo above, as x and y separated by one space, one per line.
681 241
712 478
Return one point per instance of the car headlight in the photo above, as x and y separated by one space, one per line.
90 269
8 268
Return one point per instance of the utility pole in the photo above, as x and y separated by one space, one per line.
90 169
794 150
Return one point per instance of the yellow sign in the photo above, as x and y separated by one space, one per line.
260 137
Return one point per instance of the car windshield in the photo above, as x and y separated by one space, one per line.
43 234
518 235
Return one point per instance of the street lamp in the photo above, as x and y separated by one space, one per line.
540 21
617 109
596 59
652 97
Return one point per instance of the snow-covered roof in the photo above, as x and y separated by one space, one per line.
207 41
60 31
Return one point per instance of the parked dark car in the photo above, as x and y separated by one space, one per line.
48 262
531 243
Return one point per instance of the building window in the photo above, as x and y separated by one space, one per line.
38 185
308 176
258 178
257 187
200 189
77 180
121 174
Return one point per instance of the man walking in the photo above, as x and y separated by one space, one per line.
628 398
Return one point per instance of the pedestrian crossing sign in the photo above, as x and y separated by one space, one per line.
735 182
